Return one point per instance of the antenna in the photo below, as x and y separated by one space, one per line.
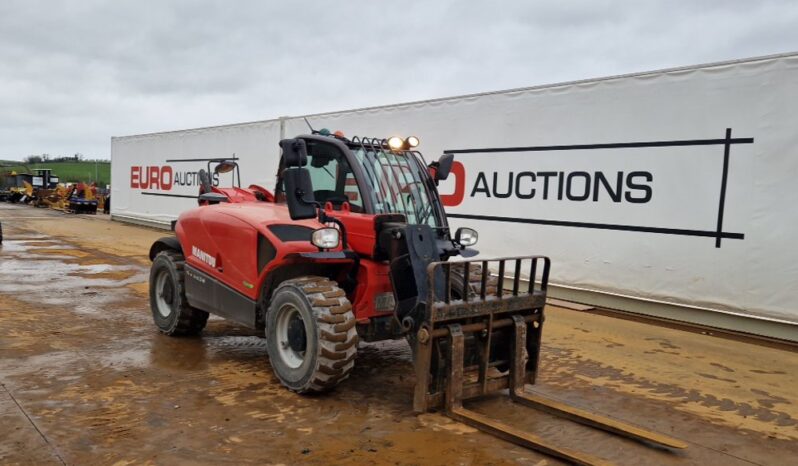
312 131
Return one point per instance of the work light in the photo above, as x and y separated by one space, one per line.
225 166
396 143
325 238
412 141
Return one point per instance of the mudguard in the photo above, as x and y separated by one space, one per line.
163 244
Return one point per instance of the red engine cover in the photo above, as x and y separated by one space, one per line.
222 241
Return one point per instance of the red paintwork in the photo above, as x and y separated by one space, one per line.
372 280
237 195
266 193
228 234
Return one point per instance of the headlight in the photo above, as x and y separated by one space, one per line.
412 141
325 238
396 143
466 237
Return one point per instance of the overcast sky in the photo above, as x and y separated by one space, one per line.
75 73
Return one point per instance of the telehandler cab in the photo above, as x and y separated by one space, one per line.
354 244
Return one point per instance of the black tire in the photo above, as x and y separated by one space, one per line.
474 282
458 287
310 334
170 310
1 233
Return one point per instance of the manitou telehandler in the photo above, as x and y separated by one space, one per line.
354 244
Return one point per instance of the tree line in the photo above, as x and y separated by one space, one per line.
47 158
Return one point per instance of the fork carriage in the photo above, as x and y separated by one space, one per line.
484 342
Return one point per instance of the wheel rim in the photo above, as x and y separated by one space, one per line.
291 336
164 294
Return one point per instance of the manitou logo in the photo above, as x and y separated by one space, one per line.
203 256
579 186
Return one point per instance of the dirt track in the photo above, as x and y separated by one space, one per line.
86 379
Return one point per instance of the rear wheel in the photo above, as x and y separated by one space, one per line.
170 310
310 334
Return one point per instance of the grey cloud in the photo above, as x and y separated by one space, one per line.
74 73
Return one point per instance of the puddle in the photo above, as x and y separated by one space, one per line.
25 275
50 363
42 270
14 246
125 359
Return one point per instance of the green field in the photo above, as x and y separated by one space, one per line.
68 171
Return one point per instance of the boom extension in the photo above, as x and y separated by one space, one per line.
482 342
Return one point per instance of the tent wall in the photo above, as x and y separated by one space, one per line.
674 187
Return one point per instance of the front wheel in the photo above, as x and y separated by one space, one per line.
170 309
310 334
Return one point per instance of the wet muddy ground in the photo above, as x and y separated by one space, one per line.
86 379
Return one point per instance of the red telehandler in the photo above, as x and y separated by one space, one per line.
354 244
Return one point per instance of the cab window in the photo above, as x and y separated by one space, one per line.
331 176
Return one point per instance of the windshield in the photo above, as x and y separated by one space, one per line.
399 184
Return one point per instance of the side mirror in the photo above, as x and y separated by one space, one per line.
299 193
295 152
466 237
296 180
444 167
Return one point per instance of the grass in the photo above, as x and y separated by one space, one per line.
71 172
